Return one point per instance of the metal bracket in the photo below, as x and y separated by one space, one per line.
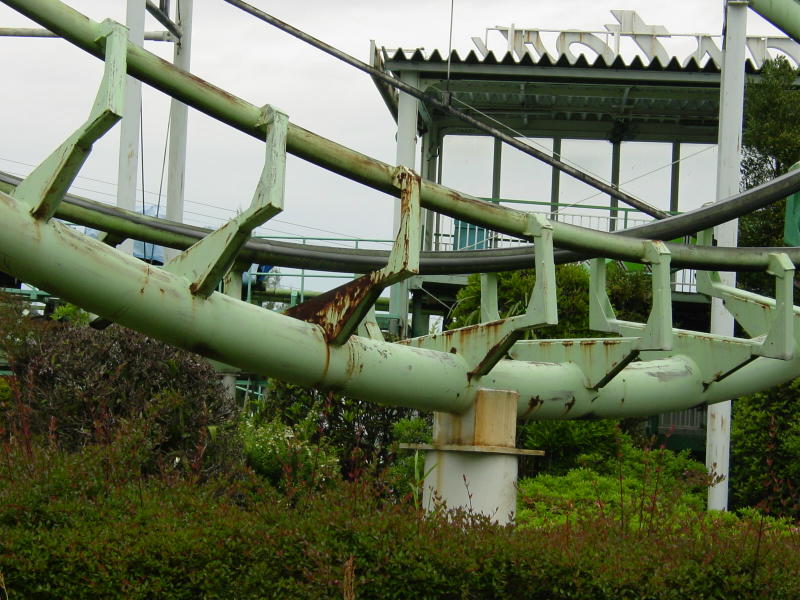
45 187
484 345
340 310
770 322
657 332
205 263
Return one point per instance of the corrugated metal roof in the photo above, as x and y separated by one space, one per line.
599 62
581 98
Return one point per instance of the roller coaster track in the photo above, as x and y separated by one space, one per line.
332 341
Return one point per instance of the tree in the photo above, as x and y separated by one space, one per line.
771 145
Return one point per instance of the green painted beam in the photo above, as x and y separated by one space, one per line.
784 14
123 289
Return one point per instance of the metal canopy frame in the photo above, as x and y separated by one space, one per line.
616 102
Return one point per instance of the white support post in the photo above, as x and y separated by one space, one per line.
178 121
728 174
128 169
406 156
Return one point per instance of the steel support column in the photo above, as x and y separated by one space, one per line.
728 161
128 166
555 180
616 152
497 165
406 156
675 178
472 463
178 122
430 155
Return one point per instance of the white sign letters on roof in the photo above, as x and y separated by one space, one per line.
649 41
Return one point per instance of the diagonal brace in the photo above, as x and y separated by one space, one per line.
44 188
205 263
340 310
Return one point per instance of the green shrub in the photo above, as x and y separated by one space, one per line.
406 473
765 451
242 540
565 442
77 386
278 453
361 432
633 485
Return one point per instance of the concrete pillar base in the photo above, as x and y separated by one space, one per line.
472 463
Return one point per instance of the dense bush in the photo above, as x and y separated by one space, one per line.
77 386
283 455
566 442
765 451
635 486
361 432
81 529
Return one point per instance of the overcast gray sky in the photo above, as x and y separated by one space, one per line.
49 87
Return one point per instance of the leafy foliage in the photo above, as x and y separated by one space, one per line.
276 452
771 129
361 432
77 386
567 442
84 529
765 451
597 470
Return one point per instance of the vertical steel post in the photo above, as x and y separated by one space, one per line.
675 177
728 164
497 165
406 156
616 152
430 152
178 121
437 230
674 191
128 166
555 180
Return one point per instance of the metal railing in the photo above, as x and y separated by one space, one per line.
453 234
